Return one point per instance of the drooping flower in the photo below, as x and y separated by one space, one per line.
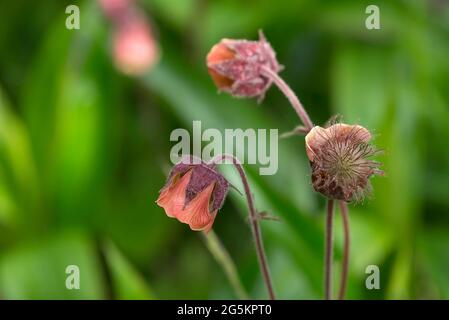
340 159
193 194
236 66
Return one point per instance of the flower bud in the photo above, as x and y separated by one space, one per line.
193 194
236 66
339 157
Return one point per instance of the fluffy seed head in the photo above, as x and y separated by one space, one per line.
340 159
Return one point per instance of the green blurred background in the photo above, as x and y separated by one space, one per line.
84 150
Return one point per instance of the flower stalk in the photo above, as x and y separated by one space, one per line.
254 221
346 246
329 250
291 96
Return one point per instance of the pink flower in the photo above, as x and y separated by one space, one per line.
115 9
339 157
135 49
236 66
193 195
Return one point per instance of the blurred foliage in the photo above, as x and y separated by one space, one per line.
84 150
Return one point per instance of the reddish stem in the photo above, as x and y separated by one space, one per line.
291 96
257 233
329 250
345 264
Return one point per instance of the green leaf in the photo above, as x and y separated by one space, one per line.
18 176
360 89
127 283
38 270
434 263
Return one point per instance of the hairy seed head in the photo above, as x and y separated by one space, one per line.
340 159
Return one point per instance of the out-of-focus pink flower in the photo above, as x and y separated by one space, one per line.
135 49
236 66
193 194
115 9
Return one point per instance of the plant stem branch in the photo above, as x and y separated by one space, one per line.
329 250
345 264
291 96
257 233
223 258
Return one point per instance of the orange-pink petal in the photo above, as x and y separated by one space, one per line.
219 53
196 214
172 199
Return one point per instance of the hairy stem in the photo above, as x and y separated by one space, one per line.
223 258
291 96
257 233
329 250
345 264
